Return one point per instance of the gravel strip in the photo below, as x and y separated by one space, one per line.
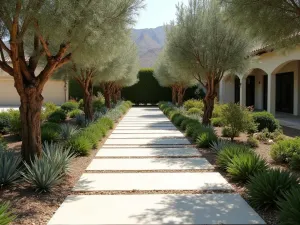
150 171
148 157
149 192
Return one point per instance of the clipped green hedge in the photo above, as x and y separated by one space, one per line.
88 138
265 120
148 90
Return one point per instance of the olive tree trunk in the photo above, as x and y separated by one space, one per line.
30 113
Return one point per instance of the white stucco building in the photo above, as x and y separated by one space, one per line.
272 83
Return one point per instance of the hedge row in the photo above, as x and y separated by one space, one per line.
89 137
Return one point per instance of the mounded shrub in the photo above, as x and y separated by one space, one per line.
50 132
58 116
244 165
75 113
193 111
9 167
186 122
266 188
193 103
265 120
67 131
228 152
6 217
227 132
4 122
80 145
98 104
177 120
206 137
81 104
252 142
217 122
69 106
48 108
283 151
289 205
15 125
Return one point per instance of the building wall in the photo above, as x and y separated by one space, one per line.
54 91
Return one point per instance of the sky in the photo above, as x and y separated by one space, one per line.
157 13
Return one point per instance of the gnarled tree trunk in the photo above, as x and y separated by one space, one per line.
209 101
174 95
180 95
30 112
87 100
107 91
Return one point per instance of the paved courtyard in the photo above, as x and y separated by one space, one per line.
147 172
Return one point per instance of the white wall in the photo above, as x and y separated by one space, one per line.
226 92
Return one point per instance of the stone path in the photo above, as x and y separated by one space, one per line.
147 172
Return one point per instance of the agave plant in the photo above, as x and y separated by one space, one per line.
45 172
218 145
6 217
9 167
67 131
60 154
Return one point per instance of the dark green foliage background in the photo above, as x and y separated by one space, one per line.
147 90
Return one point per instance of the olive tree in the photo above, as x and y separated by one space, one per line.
204 44
276 23
169 75
118 69
43 35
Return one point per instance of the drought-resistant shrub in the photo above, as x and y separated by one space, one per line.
50 132
295 162
9 167
227 153
43 173
227 132
67 131
283 151
265 120
218 110
4 122
74 113
15 125
69 106
236 119
98 104
177 120
217 122
81 104
218 145
289 206
206 137
48 108
252 142
186 122
60 154
81 121
193 111
193 103
57 116
266 188
244 165
6 217
80 145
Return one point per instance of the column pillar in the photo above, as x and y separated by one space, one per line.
221 91
243 91
271 93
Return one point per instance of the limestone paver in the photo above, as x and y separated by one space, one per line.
148 141
150 164
147 128
145 125
151 181
155 209
167 135
143 131
147 152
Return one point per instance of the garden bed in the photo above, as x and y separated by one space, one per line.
270 178
31 207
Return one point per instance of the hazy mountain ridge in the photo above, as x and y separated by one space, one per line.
150 43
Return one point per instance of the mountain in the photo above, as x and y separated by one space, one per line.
150 43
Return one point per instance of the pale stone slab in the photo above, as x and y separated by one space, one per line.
155 209
147 152
146 131
162 135
137 128
145 125
150 164
138 121
151 181
148 141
